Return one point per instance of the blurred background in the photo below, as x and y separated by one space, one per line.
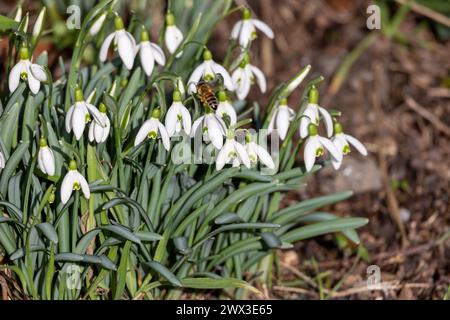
393 87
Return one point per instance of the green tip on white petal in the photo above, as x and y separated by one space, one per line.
284 102
156 113
72 165
42 142
313 95
312 130
338 128
170 19
118 23
79 95
246 14
23 53
144 35
222 96
102 107
207 55
177 96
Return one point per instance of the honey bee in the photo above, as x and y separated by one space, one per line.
207 95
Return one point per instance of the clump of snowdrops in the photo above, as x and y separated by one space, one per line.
118 182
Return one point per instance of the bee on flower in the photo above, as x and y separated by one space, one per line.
151 128
25 70
245 29
342 143
245 75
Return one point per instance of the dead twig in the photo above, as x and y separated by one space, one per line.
435 121
427 12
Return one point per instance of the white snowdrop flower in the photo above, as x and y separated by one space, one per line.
27 71
151 128
98 24
245 29
38 25
256 152
281 118
149 53
232 152
208 71
342 143
123 41
46 158
73 181
178 116
2 160
79 114
213 128
225 109
245 75
98 132
314 147
312 113
172 36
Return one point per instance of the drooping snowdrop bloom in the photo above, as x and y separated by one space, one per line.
245 75
151 128
342 143
79 114
98 132
46 158
245 29
2 160
225 109
173 36
311 115
149 53
213 128
73 181
256 152
281 118
123 41
98 24
232 152
208 71
178 116
27 71
315 146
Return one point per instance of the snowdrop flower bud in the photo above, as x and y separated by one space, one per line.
311 115
232 152
179 85
18 15
256 152
73 181
2 160
38 26
98 132
225 109
213 128
245 29
173 36
177 116
314 147
149 53
98 24
281 118
123 41
27 71
151 128
342 143
208 71
46 159
79 114
245 75
298 79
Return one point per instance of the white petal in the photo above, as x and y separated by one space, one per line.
265 157
197 123
186 118
222 157
217 68
340 142
171 120
336 164
14 76
246 35
105 46
97 25
242 83
48 161
260 78
96 114
308 115
195 77
126 48
164 136
83 183
335 153
282 122
357 144
79 119
98 133
106 129
263 27
242 153
159 54
91 131
309 154
226 108
328 121
38 72
41 161
173 37
215 132
33 83
236 29
69 119
2 160
147 59
67 187
143 132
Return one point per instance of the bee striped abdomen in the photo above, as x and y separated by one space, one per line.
207 95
